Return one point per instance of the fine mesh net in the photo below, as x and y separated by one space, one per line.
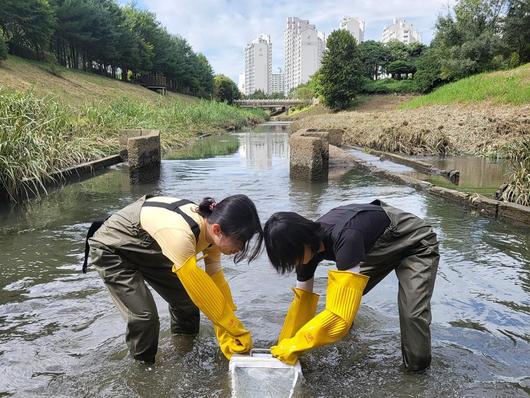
263 382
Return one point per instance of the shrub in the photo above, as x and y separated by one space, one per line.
390 86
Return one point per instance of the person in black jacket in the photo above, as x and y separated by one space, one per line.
367 242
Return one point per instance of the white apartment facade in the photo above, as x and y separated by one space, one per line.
258 65
355 26
277 82
402 31
303 50
241 83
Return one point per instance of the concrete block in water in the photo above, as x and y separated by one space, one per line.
141 147
484 205
309 159
126 134
334 136
144 151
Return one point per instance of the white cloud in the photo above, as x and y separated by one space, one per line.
221 28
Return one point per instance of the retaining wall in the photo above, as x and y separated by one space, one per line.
511 212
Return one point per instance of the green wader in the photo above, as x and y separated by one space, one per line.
408 246
126 257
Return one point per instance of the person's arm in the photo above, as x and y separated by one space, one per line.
343 299
209 297
306 285
206 291
212 260
344 293
349 250
304 304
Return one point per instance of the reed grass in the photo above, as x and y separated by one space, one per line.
41 135
517 190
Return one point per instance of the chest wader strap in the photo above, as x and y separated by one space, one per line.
175 206
91 231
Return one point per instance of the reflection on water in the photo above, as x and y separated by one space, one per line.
214 145
481 175
261 148
60 334
475 171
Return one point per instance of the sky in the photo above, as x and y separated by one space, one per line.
220 29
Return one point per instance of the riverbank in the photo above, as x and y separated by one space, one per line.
480 129
478 115
49 127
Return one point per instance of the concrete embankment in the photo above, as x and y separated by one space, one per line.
314 158
509 212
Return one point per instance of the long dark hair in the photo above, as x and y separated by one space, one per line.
238 218
286 234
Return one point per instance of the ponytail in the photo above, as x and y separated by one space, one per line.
206 207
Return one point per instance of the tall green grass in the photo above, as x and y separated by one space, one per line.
505 87
39 136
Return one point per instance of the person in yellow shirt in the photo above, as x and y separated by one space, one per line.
156 240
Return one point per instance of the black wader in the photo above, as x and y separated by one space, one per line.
126 257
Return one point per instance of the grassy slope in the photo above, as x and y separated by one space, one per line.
73 87
49 122
502 87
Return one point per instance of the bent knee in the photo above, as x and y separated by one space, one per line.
143 320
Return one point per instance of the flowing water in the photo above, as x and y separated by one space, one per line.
61 336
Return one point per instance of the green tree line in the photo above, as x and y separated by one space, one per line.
101 36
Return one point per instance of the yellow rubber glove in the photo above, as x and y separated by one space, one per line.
206 295
344 293
302 309
220 281
227 343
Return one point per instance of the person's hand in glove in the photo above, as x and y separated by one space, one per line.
227 343
343 299
211 300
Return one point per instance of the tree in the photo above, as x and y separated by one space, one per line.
373 56
204 77
399 68
225 90
339 78
103 36
517 29
277 95
27 26
428 71
258 94
304 91
468 41
396 51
